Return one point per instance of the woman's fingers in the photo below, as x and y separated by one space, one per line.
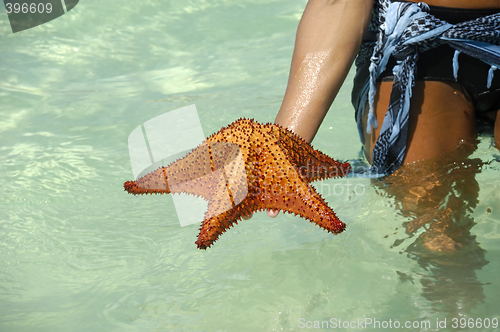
273 213
270 213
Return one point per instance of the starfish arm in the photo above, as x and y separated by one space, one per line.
192 174
152 183
295 195
315 209
214 225
313 164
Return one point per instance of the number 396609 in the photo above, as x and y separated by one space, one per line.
28 8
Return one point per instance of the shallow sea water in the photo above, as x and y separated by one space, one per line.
79 254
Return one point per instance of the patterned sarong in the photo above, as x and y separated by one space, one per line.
404 30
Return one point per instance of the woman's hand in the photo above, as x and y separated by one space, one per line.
270 213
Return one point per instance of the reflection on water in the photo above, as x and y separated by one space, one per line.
438 197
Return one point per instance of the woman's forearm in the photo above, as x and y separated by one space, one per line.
328 39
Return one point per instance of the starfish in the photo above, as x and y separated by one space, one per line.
248 167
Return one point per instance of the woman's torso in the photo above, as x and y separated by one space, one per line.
463 3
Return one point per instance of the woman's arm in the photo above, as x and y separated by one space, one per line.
328 39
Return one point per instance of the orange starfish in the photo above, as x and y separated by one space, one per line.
248 167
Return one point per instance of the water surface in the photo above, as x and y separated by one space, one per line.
79 254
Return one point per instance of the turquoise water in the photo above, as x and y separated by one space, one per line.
79 254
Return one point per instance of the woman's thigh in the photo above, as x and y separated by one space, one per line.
441 117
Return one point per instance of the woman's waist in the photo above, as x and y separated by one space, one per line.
463 4
456 14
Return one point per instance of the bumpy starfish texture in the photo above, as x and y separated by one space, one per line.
248 167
